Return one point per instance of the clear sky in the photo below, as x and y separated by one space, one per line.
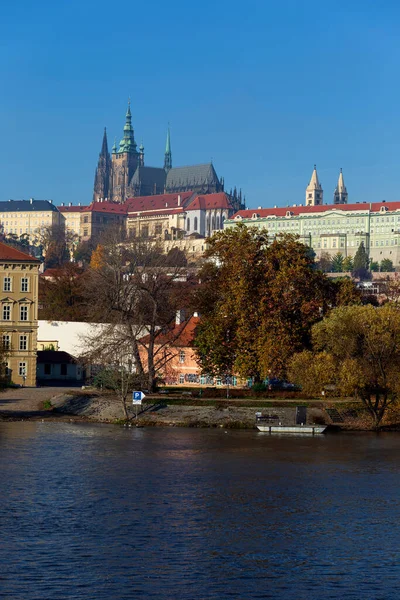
265 88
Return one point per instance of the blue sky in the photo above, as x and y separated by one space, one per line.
265 88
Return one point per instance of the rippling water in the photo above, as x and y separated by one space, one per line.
94 511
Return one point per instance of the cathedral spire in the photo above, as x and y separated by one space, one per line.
103 171
168 153
128 144
314 191
104 147
340 194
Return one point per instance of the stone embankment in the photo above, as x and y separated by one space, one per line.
63 404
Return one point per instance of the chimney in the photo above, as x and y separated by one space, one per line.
62 203
180 317
51 201
79 203
69 203
31 200
179 199
166 205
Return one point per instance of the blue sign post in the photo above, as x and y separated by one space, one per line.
137 398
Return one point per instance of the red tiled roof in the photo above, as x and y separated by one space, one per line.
181 335
209 201
109 207
9 253
300 210
76 208
161 202
157 213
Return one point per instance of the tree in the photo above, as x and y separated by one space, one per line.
360 348
83 252
62 296
133 289
387 265
337 263
361 263
57 244
258 300
348 264
325 262
374 266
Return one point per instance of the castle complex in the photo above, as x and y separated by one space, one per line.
124 174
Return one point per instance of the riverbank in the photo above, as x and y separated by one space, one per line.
63 404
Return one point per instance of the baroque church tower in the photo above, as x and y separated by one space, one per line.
125 161
103 173
340 194
314 191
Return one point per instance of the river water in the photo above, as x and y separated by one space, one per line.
98 511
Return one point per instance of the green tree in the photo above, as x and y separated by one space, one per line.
337 263
387 265
361 263
360 347
348 264
374 266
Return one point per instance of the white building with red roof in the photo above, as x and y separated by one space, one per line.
333 228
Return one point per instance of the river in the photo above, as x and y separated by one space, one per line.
102 512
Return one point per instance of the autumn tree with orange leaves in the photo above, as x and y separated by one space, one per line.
259 298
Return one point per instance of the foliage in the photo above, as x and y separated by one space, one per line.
386 265
62 296
325 263
137 293
57 245
361 263
312 371
359 348
374 266
258 301
348 264
337 263
97 260
83 252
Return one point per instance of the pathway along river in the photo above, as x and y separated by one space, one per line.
98 511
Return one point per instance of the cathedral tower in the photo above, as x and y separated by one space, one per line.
103 171
168 154
125 161
340 194
314 191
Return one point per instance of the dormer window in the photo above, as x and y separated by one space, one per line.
383 209
238 218
255 216
289 214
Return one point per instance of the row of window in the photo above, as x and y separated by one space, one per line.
7 312
22 343
7 284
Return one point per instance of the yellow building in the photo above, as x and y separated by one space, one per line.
19 308
28 217
90 221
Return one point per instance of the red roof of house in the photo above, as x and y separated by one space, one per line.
10 253
300 210
181 335
74 208
209 201
162 202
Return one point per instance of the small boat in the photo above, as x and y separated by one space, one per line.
308 429
271 424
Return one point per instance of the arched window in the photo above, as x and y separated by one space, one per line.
217 223
208 223
195 224
188 224
213 223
